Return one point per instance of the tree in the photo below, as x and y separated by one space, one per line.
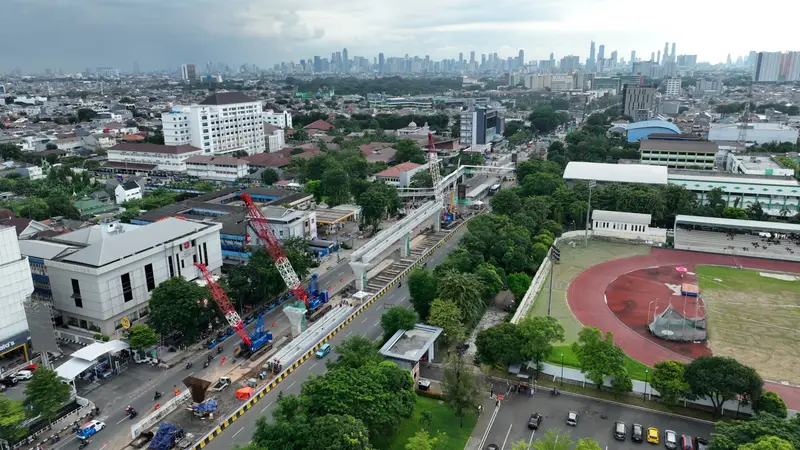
178 306
505 202
85 114
12 416
587 444
269 176
356 351
338 431
598 355
422 289
499 345
732 435
424 441
553 440
541 184
769 443
721 379
447 316
421 179
336 186
755 211
141 337
670 381
300 135
377 202
45 393
621 383
408 150
771 403
537 335
464 290
460 387
397 318
490 280
518 284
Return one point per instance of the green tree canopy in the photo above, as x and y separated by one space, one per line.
378 202
45 393
553 440
490 280
721 379
397 318
356 351
421 179
142 337
769 443
771 403
670 381
181 306
447 316
422 289
269 176
731 435
408 150
464 290
12 417
537 335
460 387
597 354
424 441
499 345
518 284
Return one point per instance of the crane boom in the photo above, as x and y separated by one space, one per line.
273 246
436 175
225 305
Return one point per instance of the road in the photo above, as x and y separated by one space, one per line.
367 325
595 420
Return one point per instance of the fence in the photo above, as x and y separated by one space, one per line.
76 338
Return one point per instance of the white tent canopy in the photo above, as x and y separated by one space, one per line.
72 368
96 350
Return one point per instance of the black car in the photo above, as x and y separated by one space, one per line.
620 431
637 432
701 443
9 381
492 447
534 421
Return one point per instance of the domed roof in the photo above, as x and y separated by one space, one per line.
412 124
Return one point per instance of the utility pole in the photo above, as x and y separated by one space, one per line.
555 257
592 184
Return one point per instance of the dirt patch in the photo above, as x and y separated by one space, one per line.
758 329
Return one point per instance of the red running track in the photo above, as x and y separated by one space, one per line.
586 299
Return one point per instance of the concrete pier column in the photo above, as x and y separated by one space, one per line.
405 246
437 222
296 312
360 269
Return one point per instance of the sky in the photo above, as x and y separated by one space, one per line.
75 34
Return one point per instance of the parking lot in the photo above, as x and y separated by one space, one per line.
595 420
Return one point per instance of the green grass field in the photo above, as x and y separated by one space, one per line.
574 261
444 420
635 368
753 318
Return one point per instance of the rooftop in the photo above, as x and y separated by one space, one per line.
222 160
760 161
154 148
622 217
679 146
398 169
318 125
705 175
616 173
653 124
754 225
226 98
410 345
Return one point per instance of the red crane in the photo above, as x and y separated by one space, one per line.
225 305
273 246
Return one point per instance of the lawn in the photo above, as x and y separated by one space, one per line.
635 368
753 318
444 420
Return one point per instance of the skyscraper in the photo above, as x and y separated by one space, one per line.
460 57
633 56
601 54
665 59
591 54
521 57
135 67
652 56
472 56
767 66
658 57
790 66
381 61
672 55
189 72
613 58
345 61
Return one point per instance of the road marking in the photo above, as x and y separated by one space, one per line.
506 439
190 374
365 319
376 339
375 324
531 439
123 420
290 386
240 430
312 366
348 334
265 408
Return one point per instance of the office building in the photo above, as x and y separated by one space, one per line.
678 153
105 273
223 123
633 57
280 119
276 139
189 72
601 53
708 88
381 62
521 57
672 55
480 125
767 67
637 101
790 66
590 64
570 63
665 59
134 157
217 168
16 286
672 86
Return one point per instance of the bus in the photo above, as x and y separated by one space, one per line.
493 189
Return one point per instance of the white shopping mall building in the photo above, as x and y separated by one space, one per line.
16 285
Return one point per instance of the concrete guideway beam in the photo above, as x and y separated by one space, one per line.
386 238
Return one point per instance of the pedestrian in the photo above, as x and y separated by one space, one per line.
491 393
497 403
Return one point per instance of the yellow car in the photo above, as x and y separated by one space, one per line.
652 435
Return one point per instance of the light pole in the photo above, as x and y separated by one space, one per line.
646 379
562 370
592 183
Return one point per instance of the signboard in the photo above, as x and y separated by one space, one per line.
186 246
13 342
125 322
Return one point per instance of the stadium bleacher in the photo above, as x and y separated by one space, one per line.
784 247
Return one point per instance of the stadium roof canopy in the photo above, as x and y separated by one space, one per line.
621 217
616 173
753 225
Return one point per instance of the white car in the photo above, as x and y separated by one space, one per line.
572 419
670 439
23 375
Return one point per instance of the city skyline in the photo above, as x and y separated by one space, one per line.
166 35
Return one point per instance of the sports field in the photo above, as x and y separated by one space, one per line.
754 316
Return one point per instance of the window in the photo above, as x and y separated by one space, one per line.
171 268
183 264
76 293
127 290
148 276
205 254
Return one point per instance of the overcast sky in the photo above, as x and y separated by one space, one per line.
75 34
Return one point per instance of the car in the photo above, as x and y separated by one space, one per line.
572 419
637 432
23 375
687 443
90 428
701 443
9 381
324 350
3 388
535 421
620 431
670 439
492 447
652 435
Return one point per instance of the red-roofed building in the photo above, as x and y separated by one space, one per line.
319 125
378 152
400 175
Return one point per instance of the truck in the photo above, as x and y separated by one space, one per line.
221 384
144 438
166 437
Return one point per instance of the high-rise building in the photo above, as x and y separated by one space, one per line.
223 123
381 62
472 56
665 59
768 66
460 57
633 56
658 57
751 58
136 67
613 58
637 101
345 61
652 57
601 54
672 54
570 63
521 57
189 72
317 64
480 125
672 86
591 55
790 66
16 286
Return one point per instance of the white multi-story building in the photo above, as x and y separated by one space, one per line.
223 123
189 72
129 190
218 168
672 86
16 285
30 171
280 119
768 66
276 138
130 156
104 273
289 223
758 133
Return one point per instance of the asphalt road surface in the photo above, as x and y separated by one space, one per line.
367 325
595 420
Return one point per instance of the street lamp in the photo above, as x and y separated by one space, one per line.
646 379
562 370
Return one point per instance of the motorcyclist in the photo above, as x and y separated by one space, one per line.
156 395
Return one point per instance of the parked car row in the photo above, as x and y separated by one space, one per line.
671 439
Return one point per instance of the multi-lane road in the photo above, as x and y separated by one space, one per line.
367 324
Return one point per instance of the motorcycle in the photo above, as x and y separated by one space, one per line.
555 392
220 349
84 443
188 365
133 413
156 396
205 364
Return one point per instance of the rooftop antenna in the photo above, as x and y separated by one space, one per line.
742 141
